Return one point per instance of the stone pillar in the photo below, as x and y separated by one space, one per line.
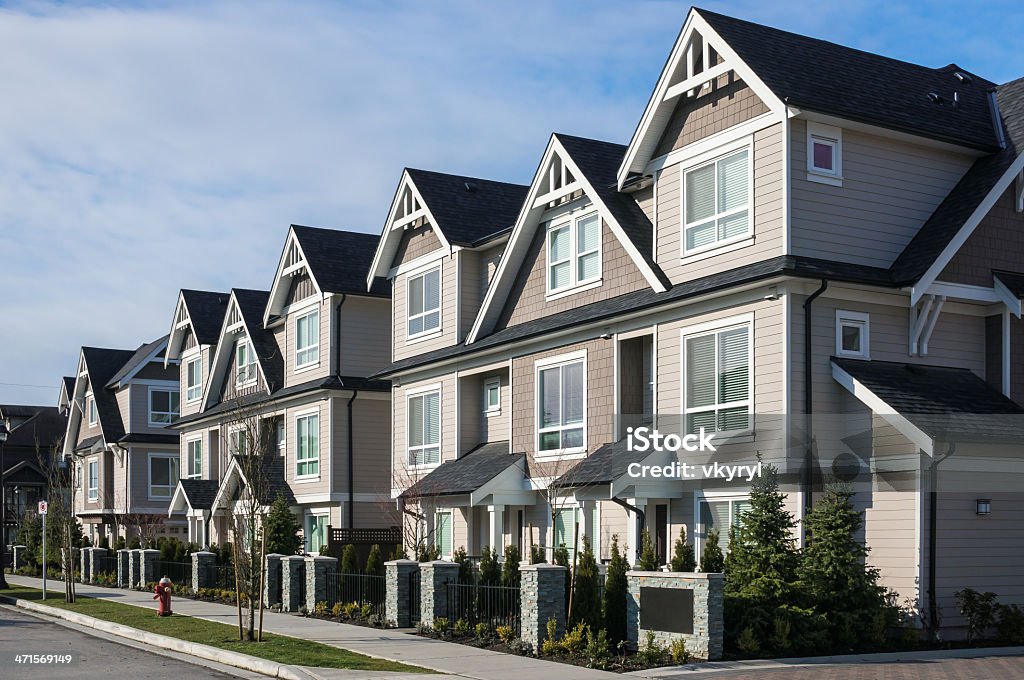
147 560
124 572
201 563
496 528
293 579
435 577
135 568
18 557
541 597
85 568
396 601
317 569
703 633
272 580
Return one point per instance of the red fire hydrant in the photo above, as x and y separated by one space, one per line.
162 592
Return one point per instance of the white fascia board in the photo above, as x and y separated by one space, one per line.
217 365
176 329
179 502
881 408
276 299
1011 301
149 357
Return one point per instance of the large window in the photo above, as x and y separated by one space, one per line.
245 363
424 300
194 379
307 339
94 479
316 533
565 528
720 514
163 406
90 407
717 202
718 380
425 428
194 456
561 404
574 252
443 533
307 445
163 475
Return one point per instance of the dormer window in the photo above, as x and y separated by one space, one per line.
824 154
424 301
194 379
716 196
90 407
163 407
245 363
574 253
307 339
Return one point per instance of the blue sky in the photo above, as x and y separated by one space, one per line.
152 146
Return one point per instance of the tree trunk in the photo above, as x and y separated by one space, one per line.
263 577
238 598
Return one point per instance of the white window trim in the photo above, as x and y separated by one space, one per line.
310 514
491 411
231 432
550 362
433 332
90 406
419 392
149 400
309 364
149 474
699 531
714 156
188 388
572 222
189 459
309 477
830 135
863 321
451 531
250 361
92 492
708 328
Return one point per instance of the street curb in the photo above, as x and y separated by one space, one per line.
243 661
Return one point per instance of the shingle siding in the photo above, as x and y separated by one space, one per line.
729 101
997 243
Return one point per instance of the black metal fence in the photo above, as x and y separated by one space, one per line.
221 576
492 605
180 573
414 597
361 589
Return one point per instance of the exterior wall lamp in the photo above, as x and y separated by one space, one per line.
984 506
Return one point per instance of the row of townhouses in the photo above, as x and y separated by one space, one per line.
813 252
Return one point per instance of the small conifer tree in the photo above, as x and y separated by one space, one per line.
682 557
615 592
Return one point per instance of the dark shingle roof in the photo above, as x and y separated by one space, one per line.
340 260
599 161
856 85
252 303
102 365
1013 282
206 310
147 438
45 426
87 443
199 493
468 217
466 474
69 386
133 362
604 465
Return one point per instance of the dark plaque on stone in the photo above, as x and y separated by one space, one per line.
666 609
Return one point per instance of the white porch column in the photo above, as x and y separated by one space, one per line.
587 509
632 532
496 529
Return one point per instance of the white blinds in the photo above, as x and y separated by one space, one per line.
717 199
717 380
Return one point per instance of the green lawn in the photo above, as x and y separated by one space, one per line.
277 648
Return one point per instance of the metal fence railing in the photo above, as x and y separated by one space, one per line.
220 576
362 589
492 605
180 573
414 597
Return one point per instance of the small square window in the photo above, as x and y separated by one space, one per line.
852 336
824 154
492 395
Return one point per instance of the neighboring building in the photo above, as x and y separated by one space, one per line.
126 461
772 180
298 357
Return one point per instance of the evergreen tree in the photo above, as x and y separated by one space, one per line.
510 567
282 528
374 563
460 558
586 604
615 593
682 558
490 571
648 559
711 560
537 555
30 535
349 561
561 556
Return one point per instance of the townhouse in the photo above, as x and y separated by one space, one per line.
126 462
296 360
812 251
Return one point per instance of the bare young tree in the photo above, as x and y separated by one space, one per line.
545 472
417 534
60 517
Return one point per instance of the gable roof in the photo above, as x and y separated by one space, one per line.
67 390
339 260
198 494
102 365
205 313
251 305
44 424
468 473
139 358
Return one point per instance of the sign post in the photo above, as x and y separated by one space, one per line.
42 513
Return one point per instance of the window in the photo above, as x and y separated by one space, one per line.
316 533
574 253
94 479
562 403
245 363
194 457
425 428
443 533
280 436
424 297
824 153
90 406
163 475
307 449
492 396
852 336
163 406
238 442
194 379
307 339
565 528
717 200
720 514
717 382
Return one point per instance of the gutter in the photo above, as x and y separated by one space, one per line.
808 478
355 393
933 511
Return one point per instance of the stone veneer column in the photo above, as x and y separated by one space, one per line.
148 571
272 580
317 568
134 567
396 600
85 569
706 640
201 563
541 597
124 561
293 576
434 579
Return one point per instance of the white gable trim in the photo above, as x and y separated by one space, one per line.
399 217
138 367
177 328
224 354
275 302
696 32
525 228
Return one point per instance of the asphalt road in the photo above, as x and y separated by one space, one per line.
94 657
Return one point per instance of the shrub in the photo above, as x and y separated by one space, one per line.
747 642
574 642
350 610
682 557
462 628
482 631
597 645
781 631
648 560
615 589
441 625
979 609
550 646
427 553
465 566
282 528
586 602
680 654
349 561
490 570
505 633
536 554
510 567
711 559
320 609
561 556
1010 627
366 610
374 563
652 653
336 610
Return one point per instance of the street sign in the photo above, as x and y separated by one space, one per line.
42 507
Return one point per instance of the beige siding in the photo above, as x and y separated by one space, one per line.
416 242
614 522
470 291
84 429
139 480
997 243
475 424
322 483
726 103
645 199
133 405
205 357
889 190
449 306
365 335
403 475
320 369
768 222
371 445
372 516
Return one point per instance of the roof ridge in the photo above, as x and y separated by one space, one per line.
466 177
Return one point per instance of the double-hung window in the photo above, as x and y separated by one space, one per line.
574 252
443 533
307 339
561 401
90 407
163 406
425 428
307 445
245 363
718 379
238 442
717 202
194 456
316 533
194 379
720 514
424 301
94 480
492 396
163 475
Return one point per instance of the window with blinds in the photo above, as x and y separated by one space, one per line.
443 533
720 515
562 404
425 429
424 301
718 383
307 456
565 528
717 202
307 339
574 252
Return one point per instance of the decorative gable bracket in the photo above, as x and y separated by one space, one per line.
923 317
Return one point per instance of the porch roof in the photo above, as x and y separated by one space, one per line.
468 473
603 466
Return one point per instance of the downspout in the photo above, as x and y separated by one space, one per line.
933 511
808 477
640 516
351 466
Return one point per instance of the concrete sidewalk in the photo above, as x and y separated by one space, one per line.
444 657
